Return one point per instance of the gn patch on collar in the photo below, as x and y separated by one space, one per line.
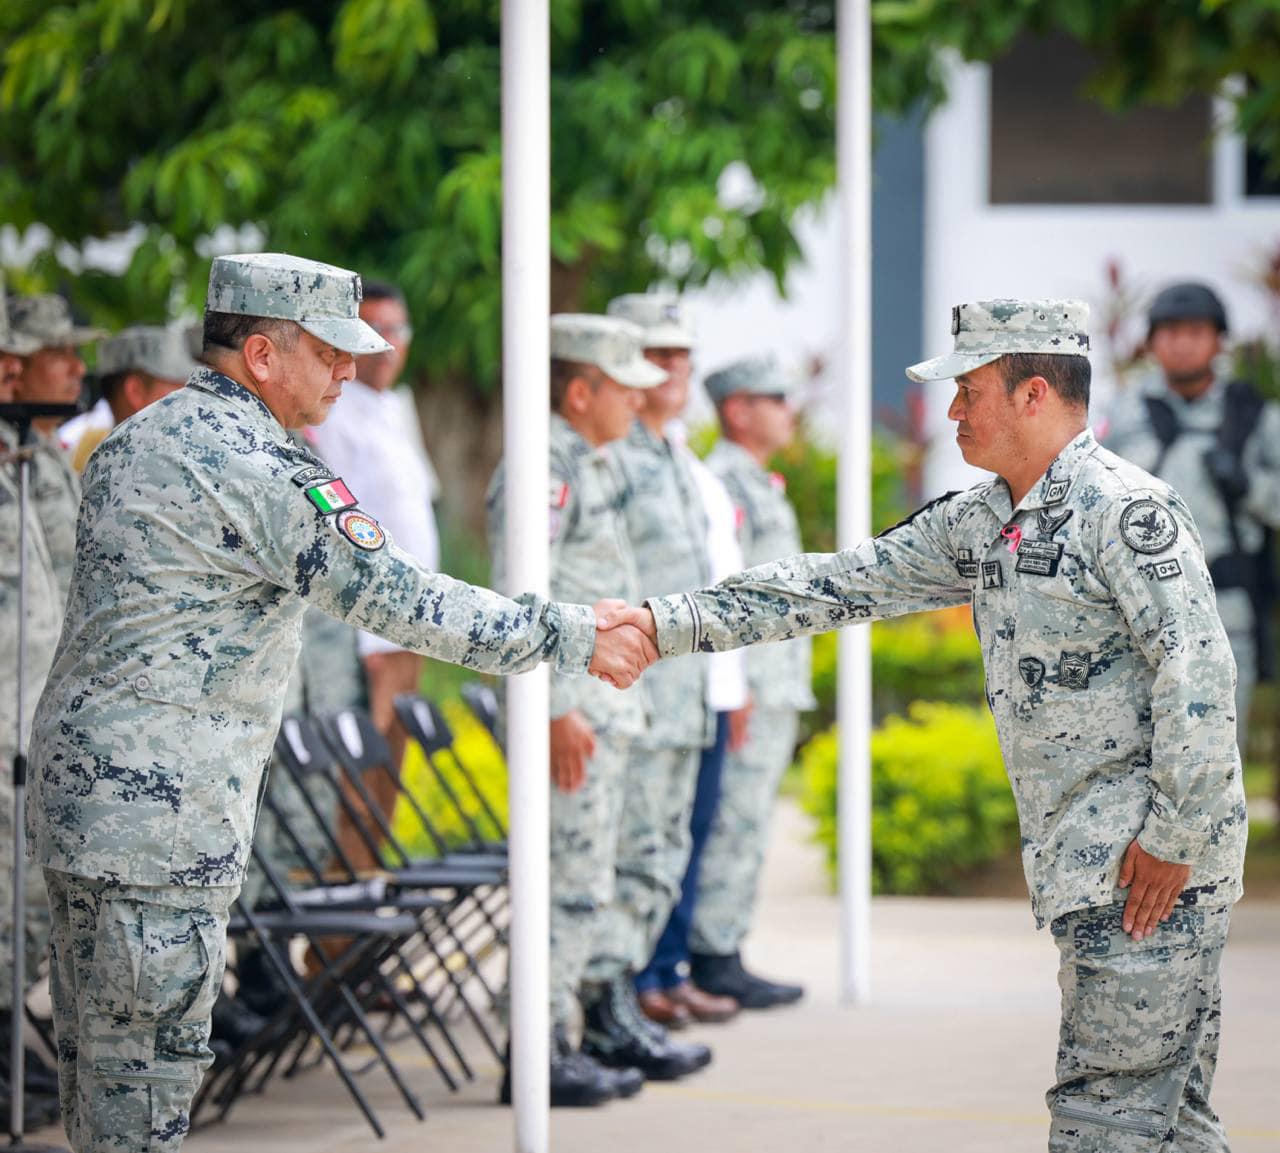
361 530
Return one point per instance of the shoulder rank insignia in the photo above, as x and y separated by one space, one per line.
1148 527
330 496
361 530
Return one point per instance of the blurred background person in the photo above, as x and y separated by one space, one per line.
1217 441
373 442
756 421
133 369
53 373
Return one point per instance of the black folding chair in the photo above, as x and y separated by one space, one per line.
426 724
317 1006
451 897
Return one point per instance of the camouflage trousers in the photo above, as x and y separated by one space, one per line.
584 841
134 974
734 855
36 930
653 850
1139 1038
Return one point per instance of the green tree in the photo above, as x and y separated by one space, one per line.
366 132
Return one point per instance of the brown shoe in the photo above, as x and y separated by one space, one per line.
659 1007
706 1007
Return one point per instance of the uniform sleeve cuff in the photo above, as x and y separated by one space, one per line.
577 632
675 621
1169 841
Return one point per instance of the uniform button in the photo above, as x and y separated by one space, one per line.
142 682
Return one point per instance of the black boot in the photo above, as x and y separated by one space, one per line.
234 1022
725 976
576 1080
618 1035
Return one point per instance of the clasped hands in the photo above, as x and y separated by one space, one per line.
626 643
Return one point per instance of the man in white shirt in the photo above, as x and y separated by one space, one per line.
373 441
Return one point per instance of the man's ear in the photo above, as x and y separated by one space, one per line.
1034 392
731 413
134 388
577 395
258 353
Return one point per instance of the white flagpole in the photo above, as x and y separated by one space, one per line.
853 705
526 303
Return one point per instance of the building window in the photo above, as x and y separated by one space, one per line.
1050 144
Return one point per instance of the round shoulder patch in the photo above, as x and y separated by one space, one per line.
361 530
1146 526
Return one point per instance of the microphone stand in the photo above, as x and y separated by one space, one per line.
21 416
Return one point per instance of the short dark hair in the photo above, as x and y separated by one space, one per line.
1068 376
110 384
564 371
229 330
383 290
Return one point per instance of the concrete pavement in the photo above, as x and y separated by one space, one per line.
952 1055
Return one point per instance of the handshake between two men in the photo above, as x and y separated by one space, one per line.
626 643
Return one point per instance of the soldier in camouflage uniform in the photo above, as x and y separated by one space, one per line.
1112 686
756 421
44 619
598 377
53 373
135 368
1218 444
205 532
667 527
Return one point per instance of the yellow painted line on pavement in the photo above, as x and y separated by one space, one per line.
825 1105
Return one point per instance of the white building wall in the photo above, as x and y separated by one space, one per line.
974 250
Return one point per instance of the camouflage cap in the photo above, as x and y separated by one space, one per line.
319 298
755 375
986 330
662 315
14 343
612 345
157 351
45 319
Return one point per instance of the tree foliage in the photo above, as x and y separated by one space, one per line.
366 132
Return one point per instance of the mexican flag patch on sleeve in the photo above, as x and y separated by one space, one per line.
332 496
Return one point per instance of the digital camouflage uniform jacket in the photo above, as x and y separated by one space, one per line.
1108 671
204 531
590 559
778 674
667 527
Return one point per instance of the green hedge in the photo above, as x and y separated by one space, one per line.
941 803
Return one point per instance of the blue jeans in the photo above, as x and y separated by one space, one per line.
670 964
